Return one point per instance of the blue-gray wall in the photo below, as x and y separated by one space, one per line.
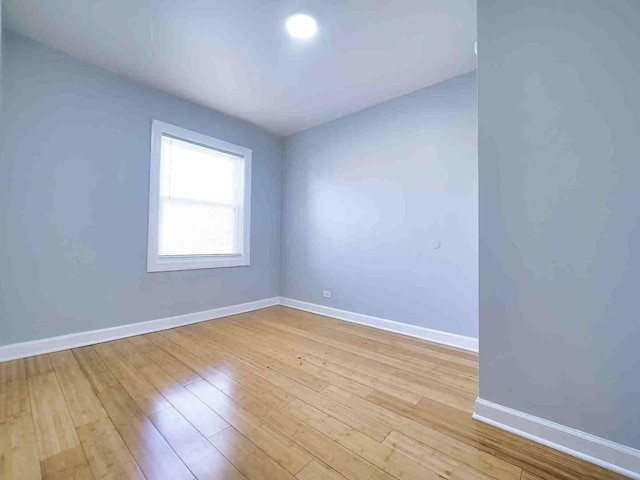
74 157
1 35
365 196
0 58
559 106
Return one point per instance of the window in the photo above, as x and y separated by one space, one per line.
199 201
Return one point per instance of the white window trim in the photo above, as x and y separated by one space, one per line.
156 263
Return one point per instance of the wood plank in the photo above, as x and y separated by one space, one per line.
202 458
95 371
364 424
279 447
371 380
155 457
333 454
316 470
265 353
108 456
443 465
288 353
538 459
37 365
366 348
382 456
352 357
285 352
168 362
203 368
144 394
340 363
231 365
247 457
529 476
105 450
416 359
337 456
61 455
19 457
402 341
452 447
54 428
14 394
80 397
429 366
11 371
70 464
191 407
382 475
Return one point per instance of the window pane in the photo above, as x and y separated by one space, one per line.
201 200
188 228
194 172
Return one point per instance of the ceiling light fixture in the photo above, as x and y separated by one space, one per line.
302 27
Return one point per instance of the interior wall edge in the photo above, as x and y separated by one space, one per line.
585 446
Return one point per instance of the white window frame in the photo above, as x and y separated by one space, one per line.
157 263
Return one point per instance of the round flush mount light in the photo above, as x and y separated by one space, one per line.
302 27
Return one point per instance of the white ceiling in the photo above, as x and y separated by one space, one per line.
234 55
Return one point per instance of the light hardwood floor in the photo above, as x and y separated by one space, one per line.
272 394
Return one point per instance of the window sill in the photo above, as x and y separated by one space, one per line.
168 264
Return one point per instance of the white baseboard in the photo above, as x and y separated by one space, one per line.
74 340
437 336
597 450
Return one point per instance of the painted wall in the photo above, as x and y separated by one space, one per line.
365 196
74 156
1 64
559 108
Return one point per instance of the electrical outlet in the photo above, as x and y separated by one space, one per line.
326 294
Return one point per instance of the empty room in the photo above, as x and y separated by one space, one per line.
319 239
